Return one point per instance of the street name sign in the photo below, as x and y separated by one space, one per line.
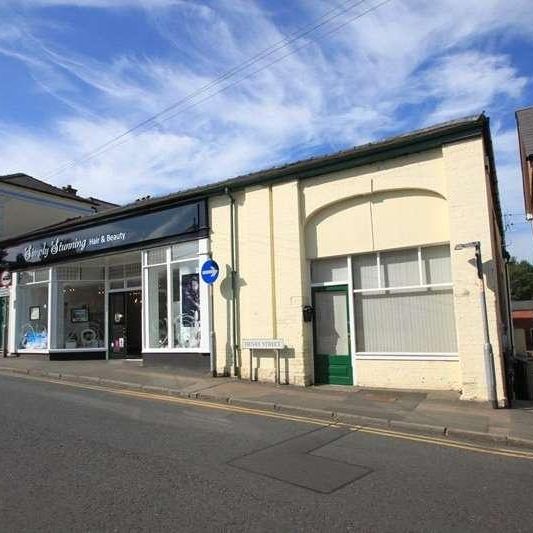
263 344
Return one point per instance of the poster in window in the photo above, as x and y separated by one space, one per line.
190 298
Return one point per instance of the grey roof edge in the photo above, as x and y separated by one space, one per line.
397 146
53 190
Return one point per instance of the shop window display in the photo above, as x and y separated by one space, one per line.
175 283
157 307
80 308
83 315
186 304
32 310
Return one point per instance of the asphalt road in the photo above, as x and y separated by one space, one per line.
83 460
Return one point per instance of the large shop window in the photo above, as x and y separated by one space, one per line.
403 300
173 305
157 307
405 304
32 310
80 307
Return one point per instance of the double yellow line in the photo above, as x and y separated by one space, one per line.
205 404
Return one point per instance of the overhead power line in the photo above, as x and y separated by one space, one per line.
179 106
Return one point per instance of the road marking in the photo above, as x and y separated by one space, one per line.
206 404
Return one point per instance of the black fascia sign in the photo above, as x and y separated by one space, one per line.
185 221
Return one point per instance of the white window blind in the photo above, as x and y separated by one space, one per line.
329 270
403 302
365 272
420 321
400 268
436 265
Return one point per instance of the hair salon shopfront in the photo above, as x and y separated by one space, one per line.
112 285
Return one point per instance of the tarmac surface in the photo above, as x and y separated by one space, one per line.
76 458
429 412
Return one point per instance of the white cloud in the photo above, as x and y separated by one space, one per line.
467 82
98 4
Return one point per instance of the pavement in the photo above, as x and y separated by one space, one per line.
436 413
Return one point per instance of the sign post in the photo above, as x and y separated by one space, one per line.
209 273
264 344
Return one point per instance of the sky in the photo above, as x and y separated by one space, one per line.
253 83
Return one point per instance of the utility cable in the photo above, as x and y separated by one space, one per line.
159 117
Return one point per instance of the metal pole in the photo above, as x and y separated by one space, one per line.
251 364
212 343
233 285
277 368
4 324
509 371
488 353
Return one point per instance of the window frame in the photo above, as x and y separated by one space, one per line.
380 289
17 287
201 256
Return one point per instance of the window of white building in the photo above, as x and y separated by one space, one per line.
403 301
79 303
175 299
32 302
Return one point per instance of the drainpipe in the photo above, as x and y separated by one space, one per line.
236 370
510 360
509 308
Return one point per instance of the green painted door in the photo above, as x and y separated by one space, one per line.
333 362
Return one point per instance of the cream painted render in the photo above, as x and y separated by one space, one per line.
24 210
431 197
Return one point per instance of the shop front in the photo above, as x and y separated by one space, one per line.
111 287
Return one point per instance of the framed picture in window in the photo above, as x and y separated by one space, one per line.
79 314
35 312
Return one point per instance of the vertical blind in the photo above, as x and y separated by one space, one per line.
403 300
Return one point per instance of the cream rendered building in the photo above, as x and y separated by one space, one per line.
350 259
366 237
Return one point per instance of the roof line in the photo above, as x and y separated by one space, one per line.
400 145
58 193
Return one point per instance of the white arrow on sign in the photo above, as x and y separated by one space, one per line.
210 271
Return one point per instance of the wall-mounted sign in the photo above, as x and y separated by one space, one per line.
146 228
263 344
210 271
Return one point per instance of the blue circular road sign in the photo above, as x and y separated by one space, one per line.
210 271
